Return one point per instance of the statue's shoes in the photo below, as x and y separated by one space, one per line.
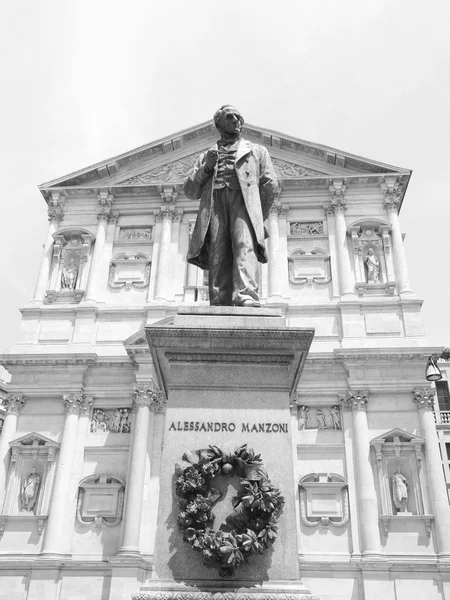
251 304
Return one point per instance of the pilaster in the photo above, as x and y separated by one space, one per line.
277 264
424 398
165 216
56 540
338 206
356 401
13 404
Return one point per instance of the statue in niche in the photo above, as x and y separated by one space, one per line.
400 490
373 267
69 276
335 415
236 184
29 491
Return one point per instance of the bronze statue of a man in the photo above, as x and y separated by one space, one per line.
236 184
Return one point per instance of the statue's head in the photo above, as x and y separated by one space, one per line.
370 252
228 120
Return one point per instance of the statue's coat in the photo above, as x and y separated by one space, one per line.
258 183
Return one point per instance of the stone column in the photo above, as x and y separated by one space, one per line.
365 485
165 215
56 531
436 481
274 264
103 214
13 404
392 198
55 216
145 398
338 204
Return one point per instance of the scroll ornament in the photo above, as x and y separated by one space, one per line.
249 529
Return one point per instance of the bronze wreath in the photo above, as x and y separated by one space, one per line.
249 529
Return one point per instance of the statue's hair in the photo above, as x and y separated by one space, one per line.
218 115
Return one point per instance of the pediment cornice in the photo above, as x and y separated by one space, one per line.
167 161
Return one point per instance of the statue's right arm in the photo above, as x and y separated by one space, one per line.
194 184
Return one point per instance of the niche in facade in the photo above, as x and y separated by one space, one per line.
69 271
128 271
309 266
100 500
324 500
373 266
29 480
400 482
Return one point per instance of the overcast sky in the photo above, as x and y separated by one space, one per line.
84 80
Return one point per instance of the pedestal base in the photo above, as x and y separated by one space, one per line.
221 590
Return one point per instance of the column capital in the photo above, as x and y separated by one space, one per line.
146 394
13 403
74 403
424 398
86 405
114 217
338 201
105 201
392 192
278 208
354 400
55 208
168 212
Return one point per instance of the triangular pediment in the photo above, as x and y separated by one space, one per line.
171 159
404 436
33 439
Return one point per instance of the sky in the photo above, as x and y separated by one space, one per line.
85 80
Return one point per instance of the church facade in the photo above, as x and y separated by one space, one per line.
84 412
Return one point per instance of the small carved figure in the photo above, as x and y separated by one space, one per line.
302 417
321 419
308 419
125 421
69 276
335 415
373 267
29 491
116 421
400 490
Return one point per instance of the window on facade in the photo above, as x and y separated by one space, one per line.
443 395
447 447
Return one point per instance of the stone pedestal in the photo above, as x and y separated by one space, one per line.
228 374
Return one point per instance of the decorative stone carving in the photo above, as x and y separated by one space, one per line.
173 172
13 403
309 267
373 264
129 270
324 500
77 403
111 420
55 208
392 190
146 394
354 400
100 500
135 235
424 398
306 228
30 475
399 458
29 492
105 201
69 276
337 191
400 490
69 271
324 417
285 170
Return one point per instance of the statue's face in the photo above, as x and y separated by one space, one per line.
231 121
370 252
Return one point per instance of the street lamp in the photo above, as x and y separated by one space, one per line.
432 371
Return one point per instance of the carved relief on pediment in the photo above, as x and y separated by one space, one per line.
176 171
